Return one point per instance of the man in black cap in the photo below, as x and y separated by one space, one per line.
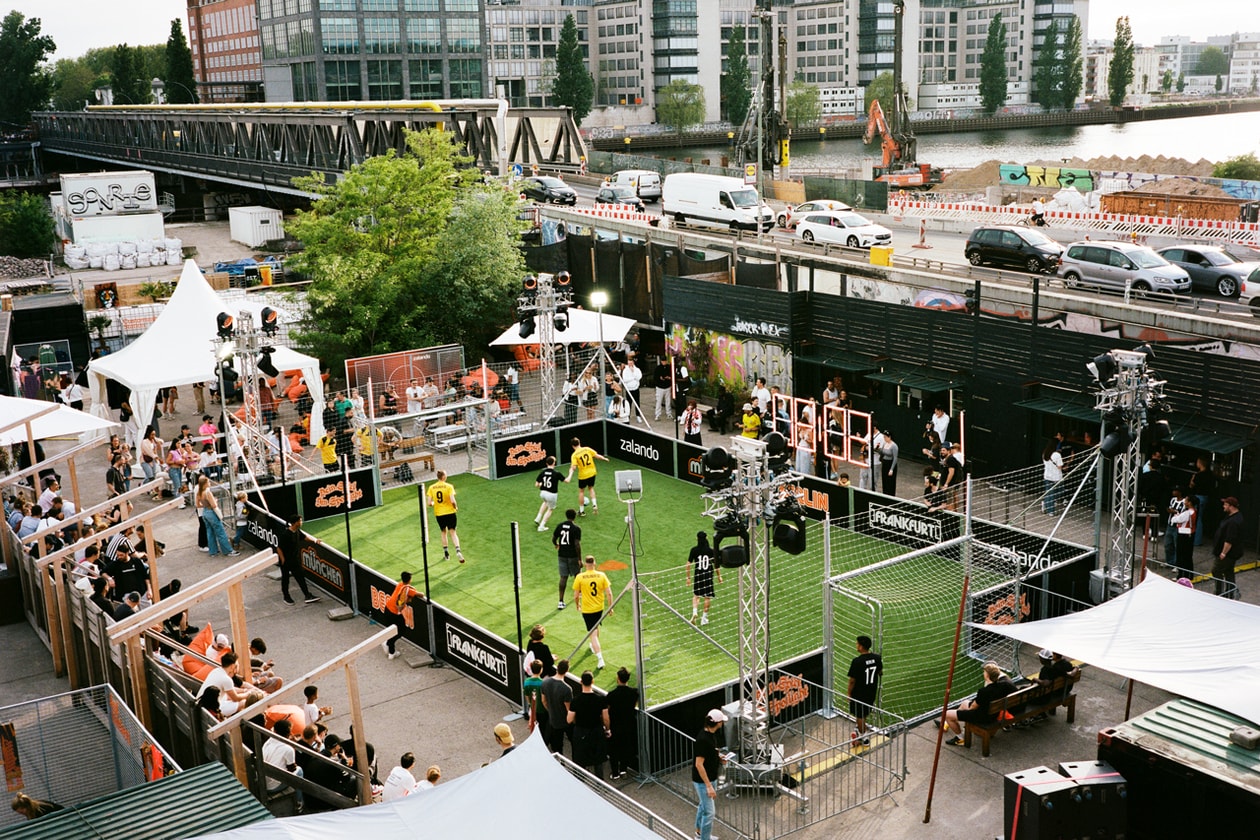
704 772
289 548
1227 548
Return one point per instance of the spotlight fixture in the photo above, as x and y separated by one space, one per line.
527 326
564 280
225 323
561 319
529 286
265 365
716 463
776 452
1116 442
731 527
1103 368
270 321
1146 350
789 526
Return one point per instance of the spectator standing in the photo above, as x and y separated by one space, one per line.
864 673
1051 475
1176 504
503 737
662 381
631 377
761 394
939 423
289 547
750 423
208 508
888 465
623 743
1183 524
588 715
537 649
1227 548
1203 485
557 695
691 419
396 607
705 770
533 694
512 378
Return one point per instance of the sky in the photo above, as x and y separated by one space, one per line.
78 25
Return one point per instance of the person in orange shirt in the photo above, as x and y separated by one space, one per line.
395 605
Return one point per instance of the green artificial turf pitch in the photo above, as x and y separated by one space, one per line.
679 660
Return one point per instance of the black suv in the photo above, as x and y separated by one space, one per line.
1013 245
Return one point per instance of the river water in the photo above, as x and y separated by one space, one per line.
1215 138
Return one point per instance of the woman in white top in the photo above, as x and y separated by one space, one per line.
619 409
1051 476
208 510
589 388
151 454
71 393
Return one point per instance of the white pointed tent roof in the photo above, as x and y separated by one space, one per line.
47 419
1166 635
501 799
584 328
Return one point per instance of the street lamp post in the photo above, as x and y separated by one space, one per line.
599 299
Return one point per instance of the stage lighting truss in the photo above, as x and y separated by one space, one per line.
543 308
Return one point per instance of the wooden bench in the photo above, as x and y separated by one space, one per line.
397 461
1031 700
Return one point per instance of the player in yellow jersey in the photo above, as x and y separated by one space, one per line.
442 499
327 446
590 588
583 460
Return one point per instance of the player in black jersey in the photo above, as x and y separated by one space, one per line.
548 484
703 561
864 673
567 538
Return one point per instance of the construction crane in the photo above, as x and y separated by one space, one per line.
897 141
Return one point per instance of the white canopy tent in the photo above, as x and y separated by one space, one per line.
500 799
178 349
1166 635
46 420
584 328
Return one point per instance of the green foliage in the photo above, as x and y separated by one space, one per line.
573 86
75 80
1073 66
405 251
1120 73
881 88
1219 84
1243 167
130 85
680 104
181 85
156 290
1212 62
737 80
1047 68
1181 82
25 81
993 67
1166 81
26 225
804 104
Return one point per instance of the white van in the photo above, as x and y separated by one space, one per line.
714 200
645 182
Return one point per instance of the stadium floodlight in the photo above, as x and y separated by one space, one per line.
270 321
226 324
1103 368
731 527
776 452
226 351
789 526
718 475
599 299
265 365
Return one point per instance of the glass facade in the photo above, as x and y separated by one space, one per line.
343 81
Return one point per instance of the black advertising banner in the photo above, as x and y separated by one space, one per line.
821 498
373 588
326 567
640 447
324 495
688 465
478 654
527 453
590 434
281 499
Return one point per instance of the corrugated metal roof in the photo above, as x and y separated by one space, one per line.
193 802
1197 734
920 378
1077 406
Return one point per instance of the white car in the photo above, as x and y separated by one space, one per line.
843 227
1249 292
789 216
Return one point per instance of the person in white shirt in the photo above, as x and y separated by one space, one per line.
279 752
51 489
762 395
431 778
400 782
512 378
230 697
415 397
940 424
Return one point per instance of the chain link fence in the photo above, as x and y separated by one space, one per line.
77 746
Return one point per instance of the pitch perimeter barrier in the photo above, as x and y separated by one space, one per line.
472 650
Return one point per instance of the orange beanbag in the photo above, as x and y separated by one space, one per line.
297 717
200 644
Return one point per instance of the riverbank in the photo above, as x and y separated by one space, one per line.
849 131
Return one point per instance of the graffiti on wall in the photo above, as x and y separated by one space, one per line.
716 358
1086 180
1047 176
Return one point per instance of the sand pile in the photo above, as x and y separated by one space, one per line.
988 173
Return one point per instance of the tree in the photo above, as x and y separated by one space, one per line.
736 82
26 225
1219 84
1243 167
993 67
573 86
181 85
130 85
25 80
382 238
1120 73
680 104
1047 68
1212 62
1181 82
1166 81
1073 66
804 104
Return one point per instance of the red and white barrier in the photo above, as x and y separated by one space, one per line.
611 212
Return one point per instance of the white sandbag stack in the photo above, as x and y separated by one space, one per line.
76 257
174 252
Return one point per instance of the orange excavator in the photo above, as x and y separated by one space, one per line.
896 140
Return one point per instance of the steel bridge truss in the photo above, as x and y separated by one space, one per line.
270 146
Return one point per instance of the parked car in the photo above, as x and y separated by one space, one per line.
1211 269
645 182
1012 245
1249 293
789 216
548 190
844 227
619 194
1115 265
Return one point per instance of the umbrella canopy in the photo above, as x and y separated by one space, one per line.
47 419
